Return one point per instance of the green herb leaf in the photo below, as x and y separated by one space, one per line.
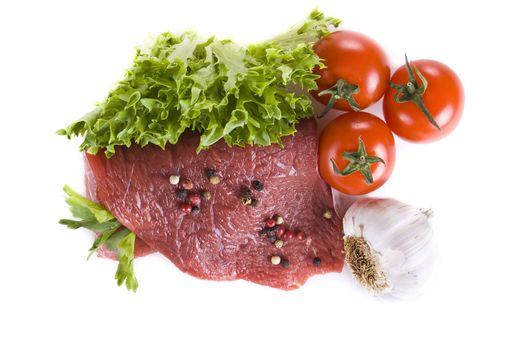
221 89
82 207
125 271
112 234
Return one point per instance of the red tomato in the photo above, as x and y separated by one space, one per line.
443 98
340 151
356 59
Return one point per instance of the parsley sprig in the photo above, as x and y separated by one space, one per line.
112 234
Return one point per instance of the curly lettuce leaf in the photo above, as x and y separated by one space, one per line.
219 88
112 234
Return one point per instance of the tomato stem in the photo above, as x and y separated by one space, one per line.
341 90
419 102
358 161
413 92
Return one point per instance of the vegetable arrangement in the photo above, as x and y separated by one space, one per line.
388 244
242 95
422 102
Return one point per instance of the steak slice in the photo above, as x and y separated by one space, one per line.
222 241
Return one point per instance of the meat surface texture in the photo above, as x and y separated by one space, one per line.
222 241
140 247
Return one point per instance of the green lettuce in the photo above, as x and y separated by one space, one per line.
216 87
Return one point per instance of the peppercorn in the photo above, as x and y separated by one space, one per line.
300 235
174 179
327 214
245 192
210 172
262 233
206 195
275 260
257 185
271 230
278 243
270 223
254 202
186 208
246 200
181 194
187 184
272 239
288 235
195 209
278 219
215 179
284 263
195 199
280 231
316 261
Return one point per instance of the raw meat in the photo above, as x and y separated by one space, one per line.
140 247
222 241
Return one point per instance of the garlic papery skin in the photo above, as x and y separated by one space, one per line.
389 246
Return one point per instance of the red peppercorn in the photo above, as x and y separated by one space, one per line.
288 234
270 223
300 235
187 184
186 208
195 199
280 231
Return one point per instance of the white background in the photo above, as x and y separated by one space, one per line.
58 58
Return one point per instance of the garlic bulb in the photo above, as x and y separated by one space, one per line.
389 246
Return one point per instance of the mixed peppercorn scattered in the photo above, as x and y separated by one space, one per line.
274 227
185 192
246 195
277 233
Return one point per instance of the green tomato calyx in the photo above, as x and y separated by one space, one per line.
412 91
341 90
358 161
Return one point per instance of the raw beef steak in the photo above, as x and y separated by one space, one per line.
225 239
140 247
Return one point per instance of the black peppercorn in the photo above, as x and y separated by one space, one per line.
271 231
316 261
254 202
257 185
245 192
285 263
181 194
272 239
210 172
195 209
262 233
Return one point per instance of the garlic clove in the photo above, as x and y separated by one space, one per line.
393 260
